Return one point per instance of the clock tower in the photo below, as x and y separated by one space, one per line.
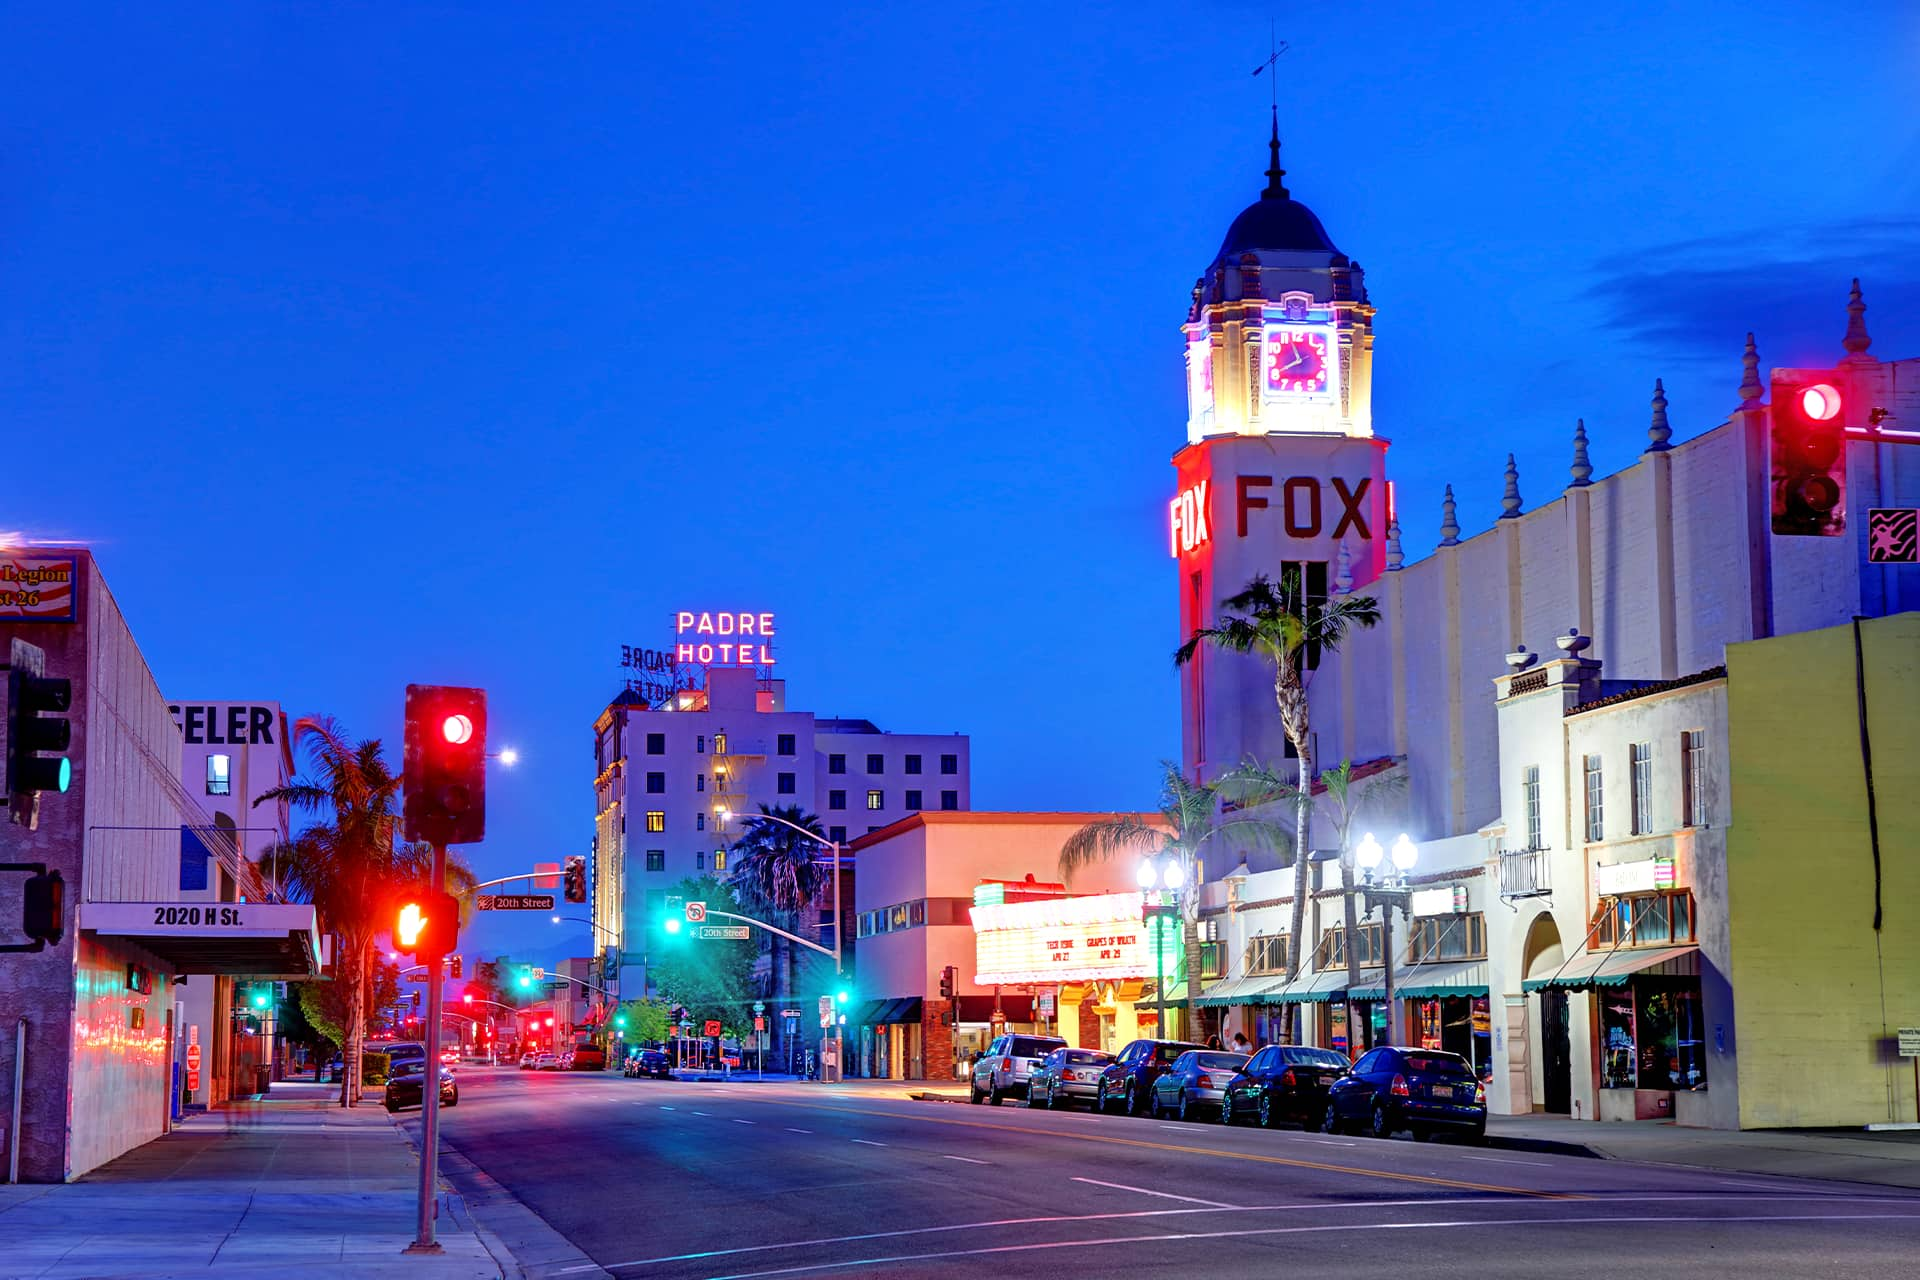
1281 470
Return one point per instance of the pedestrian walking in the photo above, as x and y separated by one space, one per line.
1213 1042
1241 1044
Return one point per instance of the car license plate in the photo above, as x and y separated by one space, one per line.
1442 1091
1326 1080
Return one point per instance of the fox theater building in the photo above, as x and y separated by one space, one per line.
1582 711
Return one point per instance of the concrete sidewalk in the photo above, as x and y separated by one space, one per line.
1890 1159
288 1185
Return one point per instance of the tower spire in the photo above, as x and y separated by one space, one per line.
1276 189
1856 342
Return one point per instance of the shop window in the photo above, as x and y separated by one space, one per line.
1267 953
1596 797
1662 919
656 859
1642 788
1455 937
1694 811
656 820
913 764
1530 801
1652 1037
220 775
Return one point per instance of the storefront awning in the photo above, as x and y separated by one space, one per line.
1256 989
1318 989
1612 968
1429 981
241 939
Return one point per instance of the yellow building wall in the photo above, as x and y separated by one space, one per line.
1817 993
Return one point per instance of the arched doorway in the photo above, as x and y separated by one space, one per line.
1542 956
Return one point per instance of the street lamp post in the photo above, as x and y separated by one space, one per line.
1389 892
1155 872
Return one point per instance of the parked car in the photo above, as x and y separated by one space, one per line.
408 1078
400 1051
1425 1090
449 1056
1128 1079
1007 1064
527 1060
1284 1082
546 1062
587 1057
1195 1082
1065 1076
648 1062
335 1065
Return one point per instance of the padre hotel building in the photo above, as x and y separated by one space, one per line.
1659 760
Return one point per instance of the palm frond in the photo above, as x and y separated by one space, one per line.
1101 841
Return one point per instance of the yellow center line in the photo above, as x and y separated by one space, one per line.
1389 1175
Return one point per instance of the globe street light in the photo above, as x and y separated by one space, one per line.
1389 892
1169 873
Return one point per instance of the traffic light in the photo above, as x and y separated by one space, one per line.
949 976
262 997
453 966
44 910
427 926
576 879
444 780
523 977
1809 448
416 1000
38 732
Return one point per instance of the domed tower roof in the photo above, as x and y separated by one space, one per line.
1276 222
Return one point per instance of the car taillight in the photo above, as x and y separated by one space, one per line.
1204 1081
1286 1077
1006 1064
1399 1087
1479 1092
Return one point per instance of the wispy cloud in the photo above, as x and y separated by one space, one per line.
1697 299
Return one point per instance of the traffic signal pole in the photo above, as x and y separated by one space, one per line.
430 1090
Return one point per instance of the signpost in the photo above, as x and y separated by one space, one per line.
712 1027
697 913
826 1011
193 1063
514 902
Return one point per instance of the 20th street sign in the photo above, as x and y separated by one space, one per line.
724 932
514 902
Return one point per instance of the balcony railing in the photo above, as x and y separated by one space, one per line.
1525 873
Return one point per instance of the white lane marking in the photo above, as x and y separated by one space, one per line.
702 1113
744 1122
664 1107
966 1159
1130 1214
1177 1128
1540 1164
1164 1195
1278 1231
865 1143
790 1129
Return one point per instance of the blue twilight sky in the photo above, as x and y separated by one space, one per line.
376 343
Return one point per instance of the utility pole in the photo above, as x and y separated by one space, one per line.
430 1092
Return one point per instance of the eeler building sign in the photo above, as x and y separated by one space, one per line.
224 724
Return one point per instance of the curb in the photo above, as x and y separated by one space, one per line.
1546 1147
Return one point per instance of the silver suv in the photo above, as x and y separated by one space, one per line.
1006 1065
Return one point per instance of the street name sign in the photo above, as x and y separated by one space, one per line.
713 932
514 902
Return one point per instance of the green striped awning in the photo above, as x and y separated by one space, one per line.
1429 981
1317 989
1613 968
1254 989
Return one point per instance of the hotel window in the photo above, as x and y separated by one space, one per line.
656 784
949 764
719 744
656 820
1454 937
836 799
913 764
699 859
699 822
699 782
1596 796
837 762
656 744
719 859
1694 809
783 745
876 799
1267 953
219 775
1661 919
656 859
949 800
876 763
786 784
1642 782
837 834
700 744
913 801
1530 798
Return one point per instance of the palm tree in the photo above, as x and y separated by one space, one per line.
781 871
1284 625
1188 818
351 865
1349 798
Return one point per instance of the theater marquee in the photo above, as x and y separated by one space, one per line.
1063 940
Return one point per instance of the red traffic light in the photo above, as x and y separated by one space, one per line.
456 729
1820 402
444 779
427 925
1808 454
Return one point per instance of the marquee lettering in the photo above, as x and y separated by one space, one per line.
1302 504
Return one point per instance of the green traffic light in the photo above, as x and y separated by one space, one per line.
673 924
259 999
526 979
843 995
66 773
620 1021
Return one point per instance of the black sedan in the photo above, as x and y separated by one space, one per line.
648 1062
403 1086
1196 1081
1284 1082
1425 1090
1128 1079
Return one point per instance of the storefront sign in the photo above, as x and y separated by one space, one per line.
1187 525
1446 900
38 588
1062 940
725 639
1643 876
176 919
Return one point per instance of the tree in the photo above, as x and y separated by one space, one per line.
647 1020
351 864
714 979
779 872
325 1005
1283 624
1188 818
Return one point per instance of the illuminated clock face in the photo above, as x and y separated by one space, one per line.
1298 360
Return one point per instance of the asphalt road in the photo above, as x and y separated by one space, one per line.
665 1179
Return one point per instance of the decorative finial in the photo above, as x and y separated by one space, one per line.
1856 342
1510 498
1343 570
1573 642
1751 392
1582 469
1276 189
1659 434
1394 557
1449 523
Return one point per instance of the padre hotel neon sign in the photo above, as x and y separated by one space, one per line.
738 639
